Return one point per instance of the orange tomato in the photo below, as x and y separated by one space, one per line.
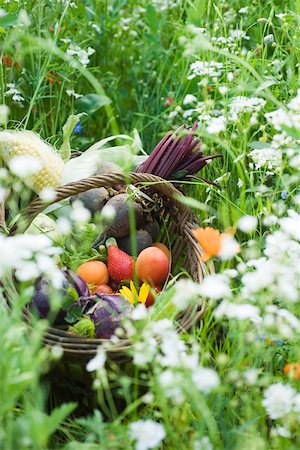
93 272
103 289
163 248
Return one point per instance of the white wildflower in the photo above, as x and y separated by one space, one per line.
205 379
24 252
97 28
14 93
269 157
280 16
216 125
98 362
79 213
203 444
291 224
81 55
247 223
270 220
4 112
23 18
63 225
229 247
242 105
47 194
278 400
240 183
188 99
251 375
223 90
281 431
147 434
238 35
187 293
269 39
24 165
205 68
71 92
295 162
215 287
171 382
108 213
144 352
238 311
140 312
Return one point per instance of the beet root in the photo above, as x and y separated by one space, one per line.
143 240
93 200
153 229
120 226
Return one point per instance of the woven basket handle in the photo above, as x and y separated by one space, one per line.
158 184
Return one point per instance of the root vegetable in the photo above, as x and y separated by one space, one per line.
93 200
120 226
143 240
153 229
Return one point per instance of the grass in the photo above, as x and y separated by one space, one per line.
141 62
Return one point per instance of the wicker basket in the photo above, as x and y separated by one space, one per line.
178 221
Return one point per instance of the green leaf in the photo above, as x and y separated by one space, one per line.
8 20
192 203
91 102
65 149
259 145
269 81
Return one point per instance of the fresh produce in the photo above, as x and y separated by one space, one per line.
73 287
143 240
120 264
177 156
77 282
28 143
163 248
153 229
93 272
93 200
120 226
102 289
153 266
108 313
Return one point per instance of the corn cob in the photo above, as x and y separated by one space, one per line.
19 143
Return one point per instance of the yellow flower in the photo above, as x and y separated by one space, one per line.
132 294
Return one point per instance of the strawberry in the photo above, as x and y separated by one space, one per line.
120 265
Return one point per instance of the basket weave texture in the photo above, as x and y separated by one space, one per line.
178 221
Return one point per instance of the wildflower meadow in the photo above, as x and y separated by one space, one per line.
149 224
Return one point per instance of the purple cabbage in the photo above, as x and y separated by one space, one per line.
77 282
108 313
72 282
